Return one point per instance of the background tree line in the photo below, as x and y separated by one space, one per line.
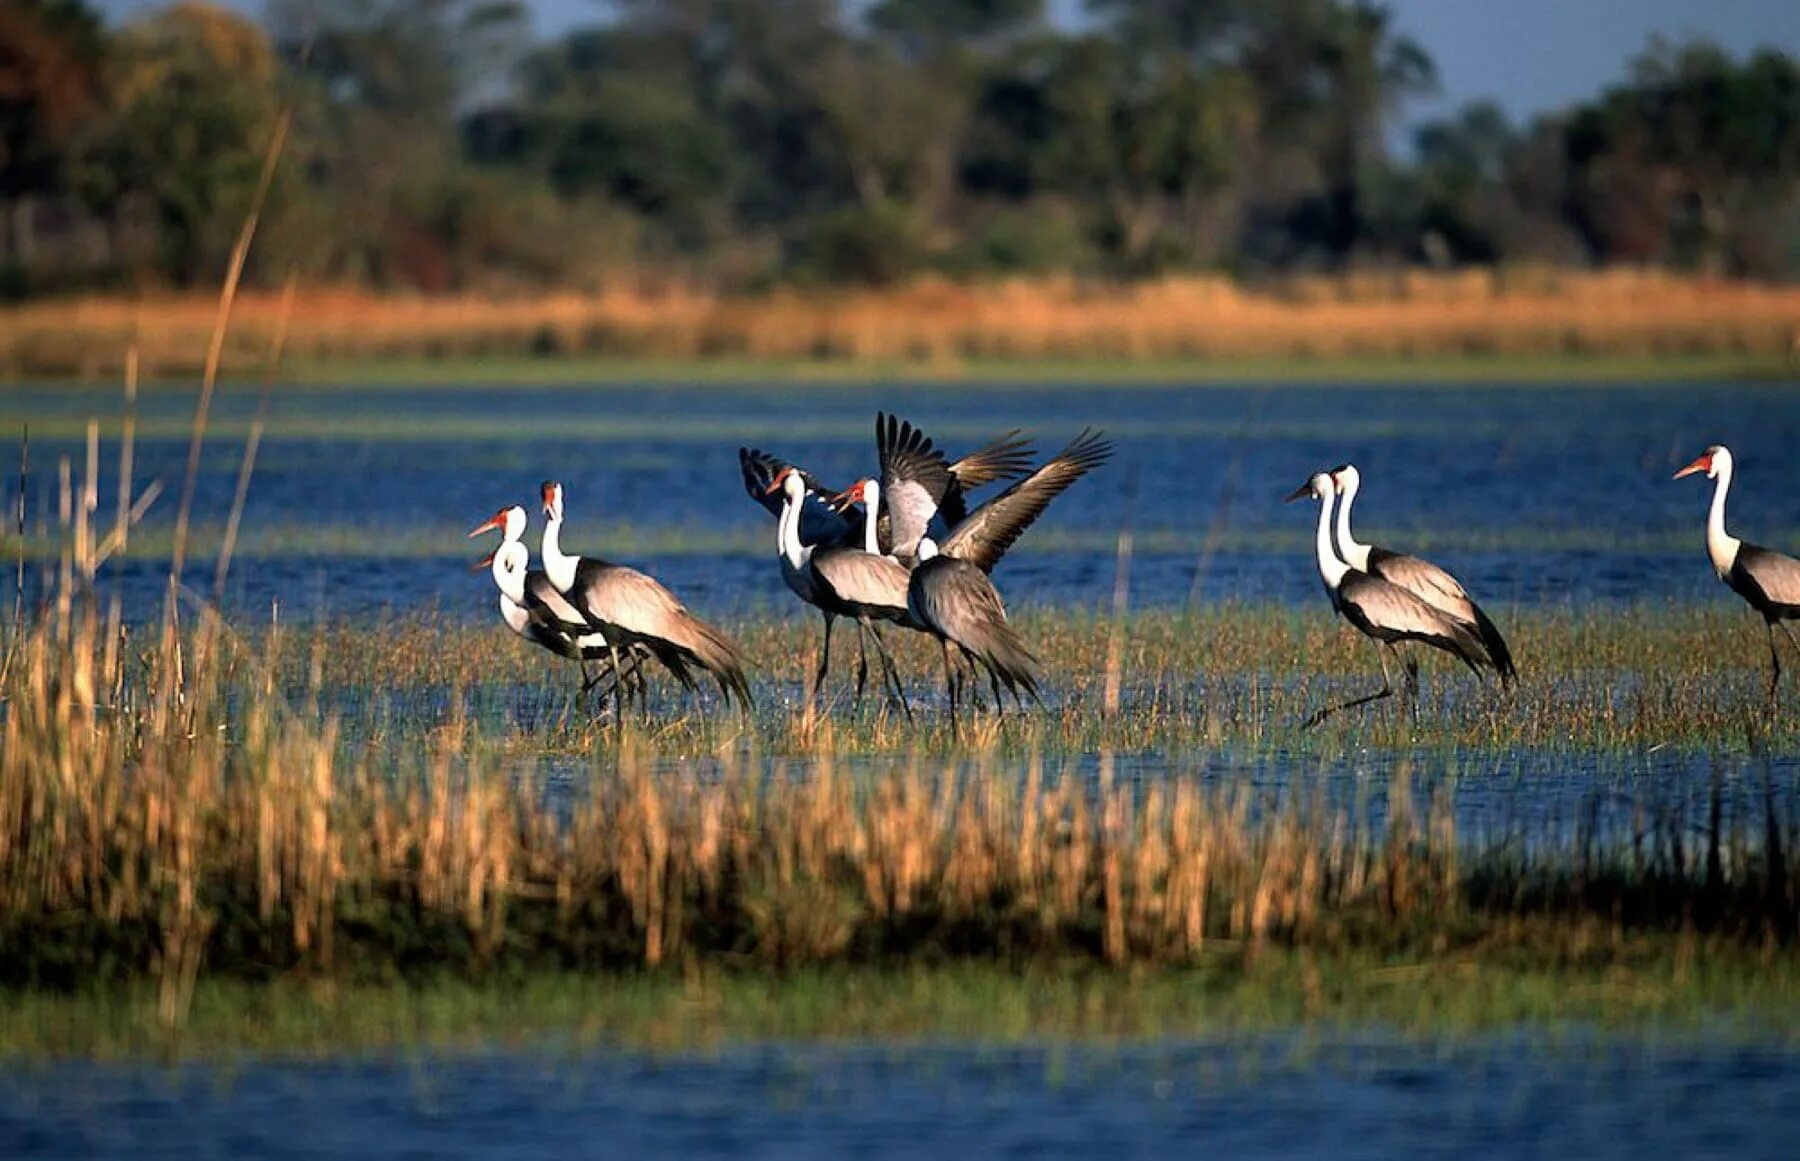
438 146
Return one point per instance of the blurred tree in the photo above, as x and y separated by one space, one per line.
191 104
1460 173
51 56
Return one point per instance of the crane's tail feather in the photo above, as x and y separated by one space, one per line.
1001 650
715 653
1496 647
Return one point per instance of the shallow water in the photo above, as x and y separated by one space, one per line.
1534 495
1289 1096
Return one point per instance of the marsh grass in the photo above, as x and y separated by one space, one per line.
1645 985
1611 680
185 811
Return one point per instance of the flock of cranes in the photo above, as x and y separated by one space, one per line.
905 548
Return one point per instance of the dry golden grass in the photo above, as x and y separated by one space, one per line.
1400 314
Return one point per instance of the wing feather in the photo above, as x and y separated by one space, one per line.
993 528
914 479
1776 575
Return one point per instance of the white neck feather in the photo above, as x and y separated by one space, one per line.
787 529
1331 569
557 566
509 573
871 506
1355 554
1721 546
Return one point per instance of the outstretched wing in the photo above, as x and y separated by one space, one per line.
914 480
993 528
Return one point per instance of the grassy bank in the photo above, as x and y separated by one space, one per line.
1566 368
1501 324
1640 986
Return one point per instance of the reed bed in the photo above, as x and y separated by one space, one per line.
934 322
175 810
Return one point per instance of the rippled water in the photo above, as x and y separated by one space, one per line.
1271 1097
1532 494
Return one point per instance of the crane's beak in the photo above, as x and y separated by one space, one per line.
1703 464
485 562
841 501
1303 492
496 521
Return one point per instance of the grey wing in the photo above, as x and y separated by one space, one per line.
1775 573
1005 458
1387 607
635 602
549 607
1426 581
859 578
914 479
994 527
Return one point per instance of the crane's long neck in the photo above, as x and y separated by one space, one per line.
509 574
560 568
1721 546
787 532
1331 569
871 506
1354 554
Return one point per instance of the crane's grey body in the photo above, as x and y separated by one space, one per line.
1381 610
956 602
1423 579
1769 581
859 583
531 607
632 609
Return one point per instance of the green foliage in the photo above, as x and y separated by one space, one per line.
877 245
191 106
756 141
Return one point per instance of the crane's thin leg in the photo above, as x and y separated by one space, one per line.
1774 663
619 703
1412 673
824 658
862 663
630 678
1386 690
890 670
949 682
